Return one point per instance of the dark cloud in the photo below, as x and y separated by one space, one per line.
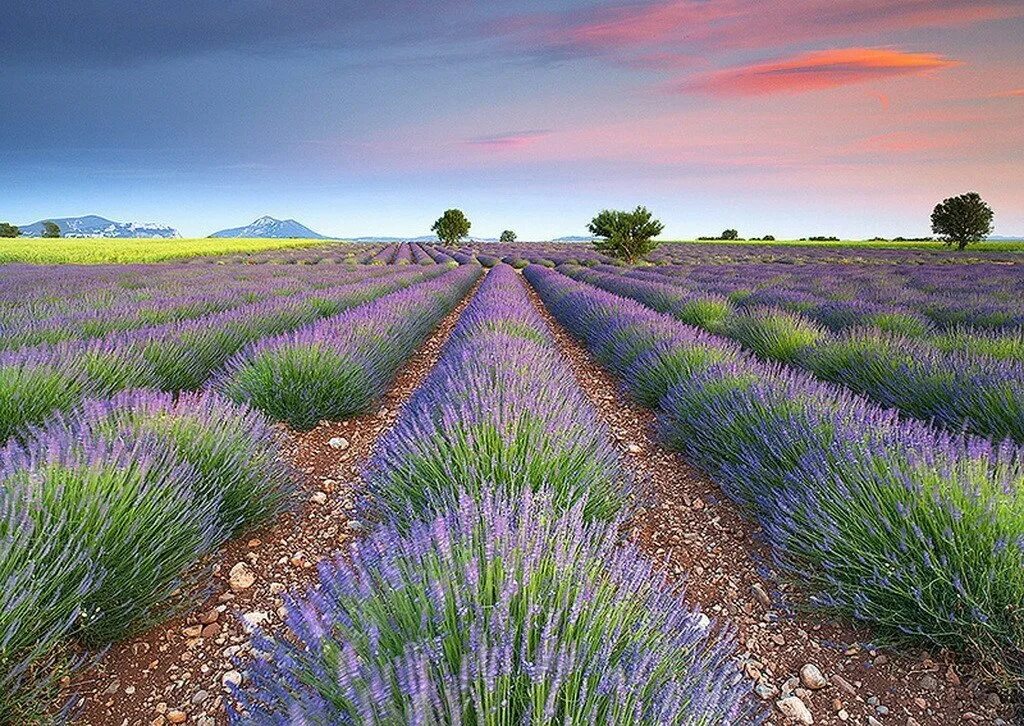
127 32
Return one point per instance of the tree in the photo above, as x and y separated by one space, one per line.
452 226
508 237
730 234
9 230
50 229
626 235
962 220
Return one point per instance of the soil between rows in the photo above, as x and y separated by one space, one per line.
177 669
699 536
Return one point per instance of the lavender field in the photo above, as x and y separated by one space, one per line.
516 483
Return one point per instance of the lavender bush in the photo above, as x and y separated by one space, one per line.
42 585
336 367
234 450
496 612
500 409
127 506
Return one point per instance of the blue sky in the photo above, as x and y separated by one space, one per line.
791 117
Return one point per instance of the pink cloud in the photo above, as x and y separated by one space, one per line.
761 23
1014 93
815 71
511 140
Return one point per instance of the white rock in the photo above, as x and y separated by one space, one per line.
793 708
241 577
256 618
811 677
338 442
232 678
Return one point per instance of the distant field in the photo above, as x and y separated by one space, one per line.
97 250
994 246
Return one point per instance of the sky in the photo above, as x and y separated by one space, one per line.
786 117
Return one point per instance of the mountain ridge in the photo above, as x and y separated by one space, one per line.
267 227
93 225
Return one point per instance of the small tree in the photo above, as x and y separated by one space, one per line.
50 229
508 237
451 227
9 230
730 234
625 235
962 220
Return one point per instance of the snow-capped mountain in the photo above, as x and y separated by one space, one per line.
94 226
270 227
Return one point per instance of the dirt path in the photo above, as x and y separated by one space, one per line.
699 534
176 672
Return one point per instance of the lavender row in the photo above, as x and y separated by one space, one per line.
31 328
35 382
495 612
501 409
901 298
149 297
337 366
103 514
958 390
497 590
918 532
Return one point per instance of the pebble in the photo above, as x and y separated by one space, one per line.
200 697
176 716
811 677
338 443
232 678
319 498
792 707
256 618
211 631
929 682
354 525
241 577
843 685
761 595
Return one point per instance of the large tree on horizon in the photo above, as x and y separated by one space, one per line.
625 235
452 226
962 220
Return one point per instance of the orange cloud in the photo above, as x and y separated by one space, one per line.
815 71
1015 93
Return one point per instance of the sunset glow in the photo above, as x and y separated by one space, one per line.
765 115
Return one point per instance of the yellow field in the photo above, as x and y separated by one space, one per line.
96 250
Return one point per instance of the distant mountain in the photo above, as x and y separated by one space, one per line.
266 227
1005 238
94 226
573 238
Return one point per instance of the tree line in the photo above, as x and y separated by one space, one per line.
629 235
